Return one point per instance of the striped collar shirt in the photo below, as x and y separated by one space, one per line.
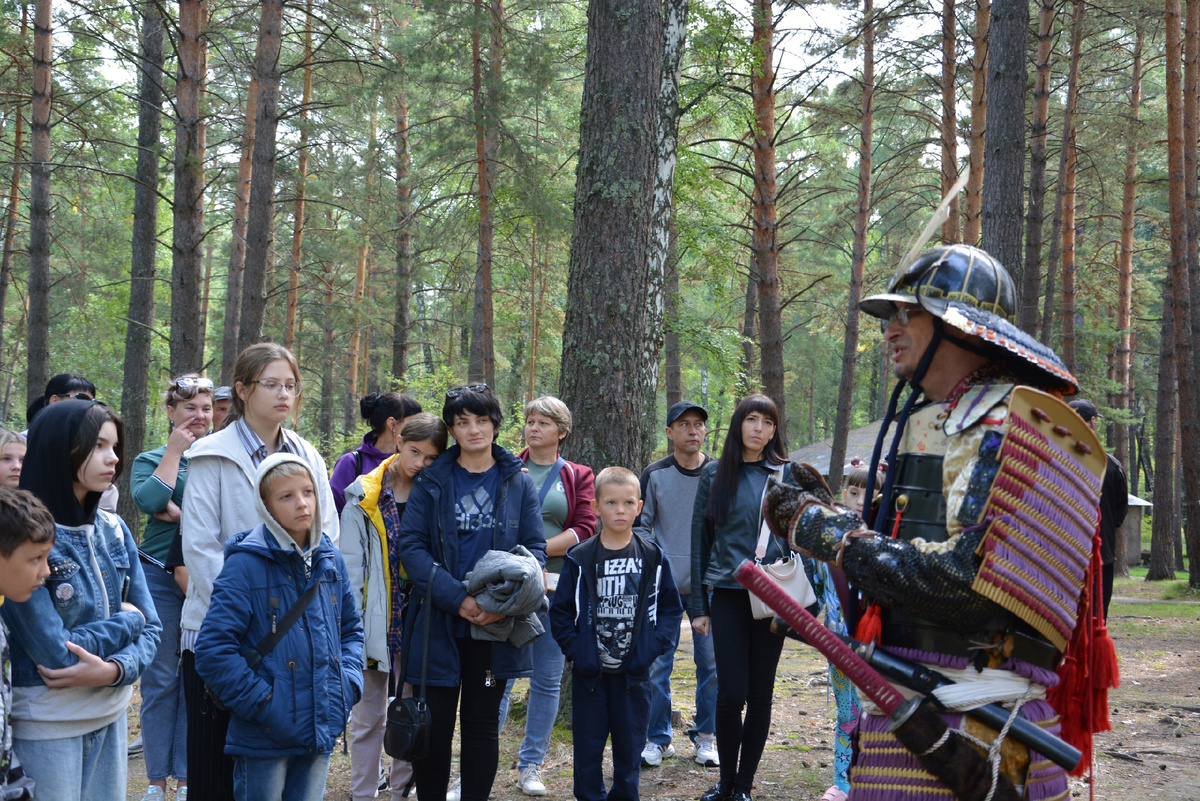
257 448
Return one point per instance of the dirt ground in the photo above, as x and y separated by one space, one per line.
1152 751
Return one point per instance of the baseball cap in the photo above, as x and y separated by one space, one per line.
683 407
223 393
1085 409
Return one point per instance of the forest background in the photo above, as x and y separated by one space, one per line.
621 202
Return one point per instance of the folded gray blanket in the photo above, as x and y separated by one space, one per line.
508 583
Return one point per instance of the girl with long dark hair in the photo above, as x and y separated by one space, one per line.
726 522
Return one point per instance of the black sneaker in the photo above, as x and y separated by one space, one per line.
740 796
716 793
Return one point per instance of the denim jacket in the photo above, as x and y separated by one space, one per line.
81 602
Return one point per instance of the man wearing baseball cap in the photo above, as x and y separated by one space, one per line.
1114 503
668 491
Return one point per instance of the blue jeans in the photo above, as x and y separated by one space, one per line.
706 690
544 686
90 767
294 778
164 715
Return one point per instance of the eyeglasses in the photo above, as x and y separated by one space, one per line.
75 395
902 315
271 385
454 393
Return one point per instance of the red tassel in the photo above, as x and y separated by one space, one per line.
870 625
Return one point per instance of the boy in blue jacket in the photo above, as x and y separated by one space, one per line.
289 708
616 610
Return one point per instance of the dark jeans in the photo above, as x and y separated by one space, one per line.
747 655
477 716
615 707
210 769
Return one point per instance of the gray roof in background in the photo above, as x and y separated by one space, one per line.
859 444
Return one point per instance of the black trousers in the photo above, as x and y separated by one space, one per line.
477 714
747 655
210 769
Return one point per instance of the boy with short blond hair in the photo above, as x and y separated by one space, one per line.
616 610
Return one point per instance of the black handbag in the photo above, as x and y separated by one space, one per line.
408 720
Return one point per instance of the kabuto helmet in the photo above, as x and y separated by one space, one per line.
966 288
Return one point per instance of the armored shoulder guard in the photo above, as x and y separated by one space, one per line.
1041 514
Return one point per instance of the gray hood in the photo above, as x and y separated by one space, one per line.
282 538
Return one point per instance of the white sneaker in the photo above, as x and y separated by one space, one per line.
181 793
653 754
531 781
155 793
706 751
455 791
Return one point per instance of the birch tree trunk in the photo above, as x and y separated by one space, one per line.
1004 143
845 405
1027 310
764 242
973 216
259 214
187 241
37 371
237 238
609 288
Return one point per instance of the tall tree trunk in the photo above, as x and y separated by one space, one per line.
953 224
662 217
764 242
1004 143
749 328
293 295
145 241
237 237
608 288
37 371
14 187
205 295
404 252
329 355
858 257
1187 319
979 66
1068 130
673 357
1124 350
1067 351
356 329
1166 524
187 241
260 216
1031 289
482 361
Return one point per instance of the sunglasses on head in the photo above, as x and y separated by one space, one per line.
82 395
454 393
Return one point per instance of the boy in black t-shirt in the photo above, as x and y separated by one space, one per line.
615 611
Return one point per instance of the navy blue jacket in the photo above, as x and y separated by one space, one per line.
572 612
296 702
429 536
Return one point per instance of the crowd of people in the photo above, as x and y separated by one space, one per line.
271 607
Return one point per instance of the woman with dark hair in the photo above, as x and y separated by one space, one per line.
726 523
80 642
472 499
386 413
64 386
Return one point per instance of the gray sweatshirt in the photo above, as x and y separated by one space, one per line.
668 493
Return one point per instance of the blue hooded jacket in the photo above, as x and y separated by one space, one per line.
297 700
429 536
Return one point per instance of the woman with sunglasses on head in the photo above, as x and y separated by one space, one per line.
472 499
726 526
157 483
218 503
64 386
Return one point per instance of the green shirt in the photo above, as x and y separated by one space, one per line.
151 496
554 508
